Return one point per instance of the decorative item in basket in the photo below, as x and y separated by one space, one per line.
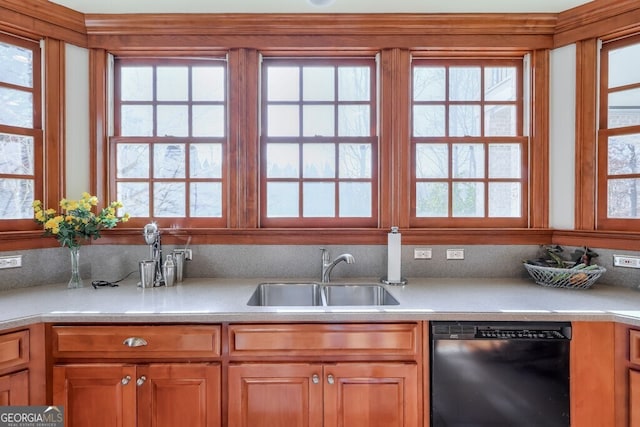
552 270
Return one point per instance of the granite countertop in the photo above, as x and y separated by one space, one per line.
198 300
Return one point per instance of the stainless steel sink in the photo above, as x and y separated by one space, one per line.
358 294
318 294
281 294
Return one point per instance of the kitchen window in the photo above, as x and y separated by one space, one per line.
319 142
171 140
20 131
469 153
619 136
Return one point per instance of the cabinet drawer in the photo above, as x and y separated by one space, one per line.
634 346
394 340
145 342
14 350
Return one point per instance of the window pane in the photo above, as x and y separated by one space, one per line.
624 108
208 84
318 83
283 120
169 199
319 199
173 120
208 120
173 84
505 199
624 154
429 84
500 84
432 161
354 84
464 83
355 199
428 120
504 161
620 73
16 65
283 161
318 120
136 84
283 84
205 161
205 199
132 161
169 161
319 161
355 160
468 161
135 196
432 199
16 154
353 120
136 120
17 108
464 120
468 199
16 198
282 199
623 198
500 120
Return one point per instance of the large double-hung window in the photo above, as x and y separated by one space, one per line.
319 142
20 131
468 148
171 140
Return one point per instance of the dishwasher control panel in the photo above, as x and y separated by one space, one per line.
500 330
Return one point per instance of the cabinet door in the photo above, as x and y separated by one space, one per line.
634 398
371 395
96 395
172 395
269 395
14 389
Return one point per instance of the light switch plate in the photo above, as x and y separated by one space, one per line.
422 253
11 261
455 253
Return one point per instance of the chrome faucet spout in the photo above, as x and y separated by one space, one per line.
327 266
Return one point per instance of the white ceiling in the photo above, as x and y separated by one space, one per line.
305 6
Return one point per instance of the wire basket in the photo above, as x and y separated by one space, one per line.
554 277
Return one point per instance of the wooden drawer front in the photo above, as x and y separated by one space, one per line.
148 342
398 340
14 350
634 346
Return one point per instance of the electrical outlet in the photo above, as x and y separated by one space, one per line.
626 261
12 261
422 253
455 253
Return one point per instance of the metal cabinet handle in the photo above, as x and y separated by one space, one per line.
315 378
141 380
330 379
125 380
134 342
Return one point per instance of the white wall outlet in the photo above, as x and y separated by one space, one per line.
11 261
422 253
455 253
626 261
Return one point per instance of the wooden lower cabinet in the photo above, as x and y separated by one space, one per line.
122 395
634 398
14 389
381 394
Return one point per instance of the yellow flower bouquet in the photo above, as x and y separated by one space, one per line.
78 219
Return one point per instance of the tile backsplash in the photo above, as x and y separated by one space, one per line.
112 262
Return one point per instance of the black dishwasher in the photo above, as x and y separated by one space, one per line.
499 374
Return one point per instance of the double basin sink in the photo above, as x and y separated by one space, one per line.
321 294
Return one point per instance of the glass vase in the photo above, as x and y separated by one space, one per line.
76 280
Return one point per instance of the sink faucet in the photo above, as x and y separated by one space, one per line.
327 266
